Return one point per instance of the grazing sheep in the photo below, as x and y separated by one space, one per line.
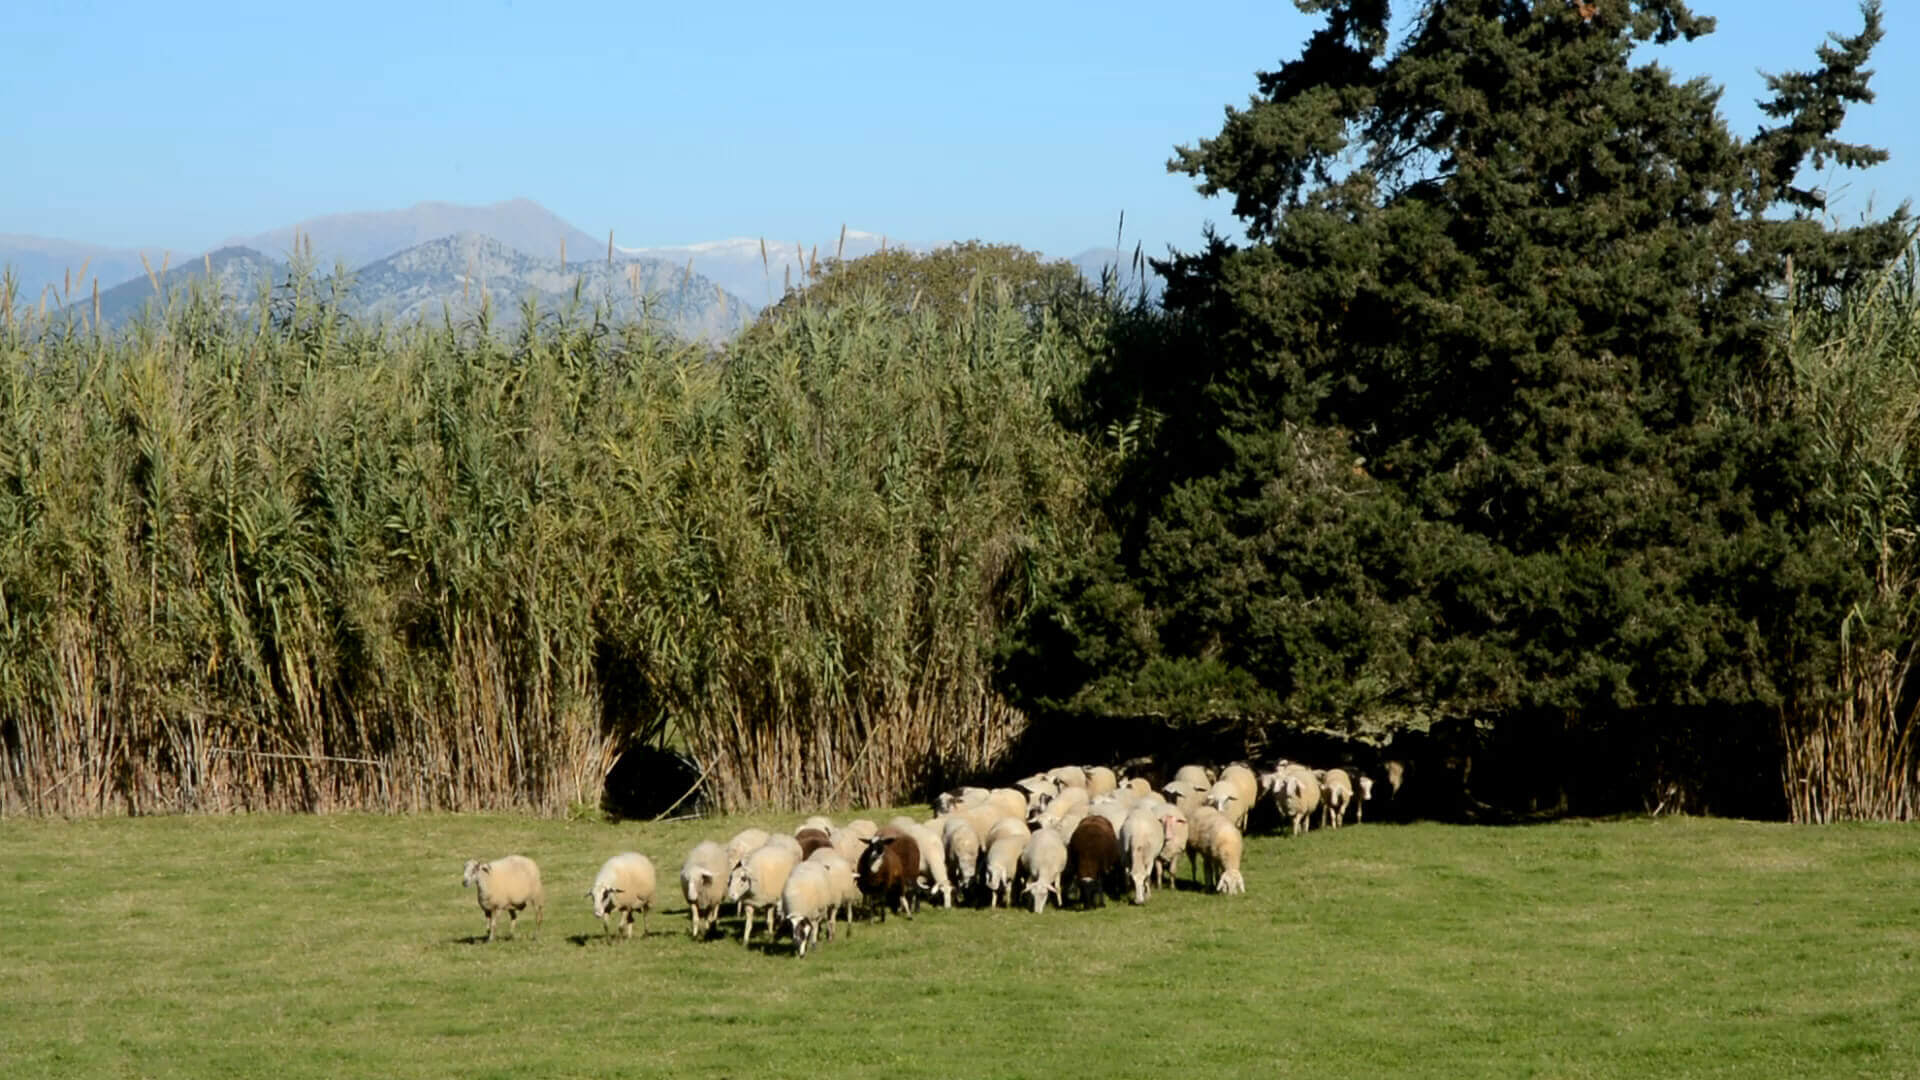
1336 794
846 887
1244 782
1100 781
757 882
889 869
1173 826
983 818
1067 776
786 843
1141 837
824 824
1003 864
1011 802
808 898
1221 845
509 884
1184 795
848 844
1364 785
1092 854
1068 801
961 798
703 881
743 842
1225 797
1114 808
1197 777
1037 789
1005 827
1043 861
933 863
962 845
812 840
1199 822
1299 797
625 884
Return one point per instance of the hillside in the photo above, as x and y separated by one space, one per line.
238 273
454 274
357 239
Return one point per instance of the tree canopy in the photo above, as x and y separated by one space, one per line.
946 282
1486 416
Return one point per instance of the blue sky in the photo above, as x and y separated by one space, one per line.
181 125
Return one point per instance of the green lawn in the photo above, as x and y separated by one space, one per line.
344 946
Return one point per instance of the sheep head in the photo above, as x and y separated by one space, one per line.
471 874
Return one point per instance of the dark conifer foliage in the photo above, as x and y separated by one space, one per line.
1488 419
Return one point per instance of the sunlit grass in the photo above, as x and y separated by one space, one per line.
330 946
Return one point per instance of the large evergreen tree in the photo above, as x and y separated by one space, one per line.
1486 417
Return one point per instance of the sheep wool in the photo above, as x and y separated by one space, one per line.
510 884
703 883
624 885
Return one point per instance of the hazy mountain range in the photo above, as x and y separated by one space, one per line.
442 256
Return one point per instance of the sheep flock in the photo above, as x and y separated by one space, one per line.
1073 836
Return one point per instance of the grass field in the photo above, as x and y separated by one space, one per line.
344 946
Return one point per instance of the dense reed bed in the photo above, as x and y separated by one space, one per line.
287 561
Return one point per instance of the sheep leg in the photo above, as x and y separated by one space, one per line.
513 923
490 917
626 925
746 932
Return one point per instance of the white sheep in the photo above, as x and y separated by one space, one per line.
959 799
1197 777
743 842
1184 795
757 882
1141 837
1043 861
808 898
1138 786
1221 845
1225 797
1363 784
1299 797
1003 864
1336 794
703 882
1200 821
787 842
1244 782
963 852
846 884
1174 827
510 884
1011 802
1067 776
1101 780
933 862
624 884
824 824
862 828
1038 789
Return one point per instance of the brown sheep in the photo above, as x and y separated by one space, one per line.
812 840
889 869
1092 854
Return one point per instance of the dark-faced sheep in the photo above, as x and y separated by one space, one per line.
889 869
